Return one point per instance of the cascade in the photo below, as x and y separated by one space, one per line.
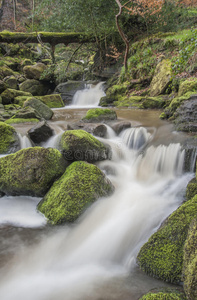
95 258
24 141
90 96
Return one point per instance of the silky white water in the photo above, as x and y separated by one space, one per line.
95 258
90 96
77 261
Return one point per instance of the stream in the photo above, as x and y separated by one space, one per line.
95 258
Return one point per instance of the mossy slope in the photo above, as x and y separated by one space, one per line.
80 185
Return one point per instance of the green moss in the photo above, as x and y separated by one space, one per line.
190 262
52 101
81 145
191 189
30 171
177 101
164 295
132 101
162 255
99 114
163 116
188 86
8 138
18 121
80 185
152 102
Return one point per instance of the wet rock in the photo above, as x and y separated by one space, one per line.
120 126
95 129
40 132
81 145
68 89
80 186
30 171
186 115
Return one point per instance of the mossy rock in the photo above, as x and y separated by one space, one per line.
6 71
20 100
52 101
132 101
9 95
81 184
43 110
187 86
11 82
164 294
81 145
34 87
152 102
162 255
27 113
191 189
30 171
18 121
176 102
190 262
99 115
162 78
34 71
9 141
74 72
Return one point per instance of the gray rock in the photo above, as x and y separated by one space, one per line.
33 86
43 110
68 89
41 132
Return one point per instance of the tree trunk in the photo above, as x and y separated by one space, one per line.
7 17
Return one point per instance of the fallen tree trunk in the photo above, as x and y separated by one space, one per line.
53 38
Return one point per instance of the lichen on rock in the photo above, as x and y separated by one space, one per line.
80 185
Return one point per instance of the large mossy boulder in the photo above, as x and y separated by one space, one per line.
99 115
34 71
9 140
191 190
80 185
27 113
162 255
34 87
30 171
52 101
186 86
43 110
161 78
81 145
190 262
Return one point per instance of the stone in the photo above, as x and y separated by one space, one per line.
162 255
34 71
80 186
43 110
190 262
186 86
9 140
99 115
27 113
162 78
30 171
120 126
68 89
9 95
52 101
33 86
41 132
11 82
96 129
81 145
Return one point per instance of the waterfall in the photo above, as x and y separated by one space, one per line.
78 261
90 96
24 141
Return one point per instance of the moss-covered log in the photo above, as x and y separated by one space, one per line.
53 38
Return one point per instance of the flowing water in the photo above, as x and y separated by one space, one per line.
95 258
